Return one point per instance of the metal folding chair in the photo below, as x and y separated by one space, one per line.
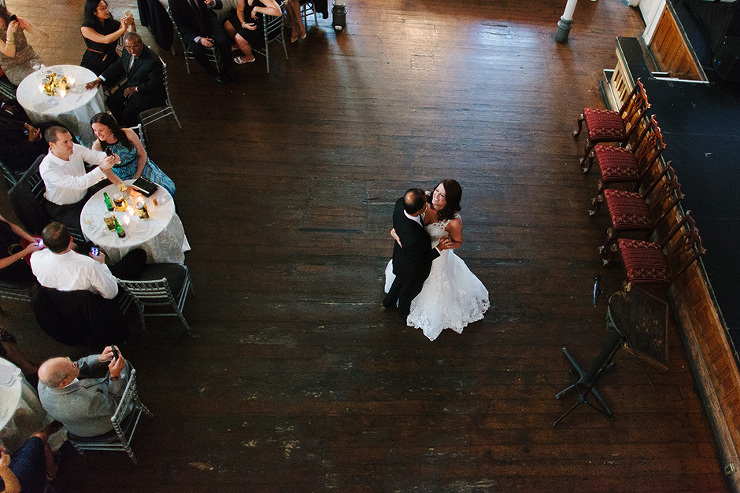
124 425
154 114
161 285
273 32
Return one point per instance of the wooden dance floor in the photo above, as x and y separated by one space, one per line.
296 379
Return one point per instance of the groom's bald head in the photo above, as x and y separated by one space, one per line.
414 200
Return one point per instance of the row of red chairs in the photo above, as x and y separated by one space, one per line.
633 159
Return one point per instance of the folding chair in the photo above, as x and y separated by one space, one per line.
273 32
124 425
160 285
154 114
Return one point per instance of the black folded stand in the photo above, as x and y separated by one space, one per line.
621 306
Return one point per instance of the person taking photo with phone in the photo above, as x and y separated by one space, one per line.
83 403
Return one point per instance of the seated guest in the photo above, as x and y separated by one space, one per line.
200 30
246 26
71 394
17 58
20 142
59 267
30 466
65 177
124 143
15 246
143 81
101 32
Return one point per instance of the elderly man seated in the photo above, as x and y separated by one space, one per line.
59 267
142 88
66 180
72 394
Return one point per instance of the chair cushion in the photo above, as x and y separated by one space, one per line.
604 125
644 261
174 273
617 164
110 436
628 210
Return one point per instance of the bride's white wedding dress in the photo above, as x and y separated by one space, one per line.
452 297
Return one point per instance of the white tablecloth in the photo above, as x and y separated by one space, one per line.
162 236
73 111
21 414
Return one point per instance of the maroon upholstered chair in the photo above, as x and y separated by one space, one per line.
613 126
631 213
646 263
623 165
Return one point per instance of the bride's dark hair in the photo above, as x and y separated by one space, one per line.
453 194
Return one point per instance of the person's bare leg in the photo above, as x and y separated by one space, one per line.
246 49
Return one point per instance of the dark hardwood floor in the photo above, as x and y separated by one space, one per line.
296 379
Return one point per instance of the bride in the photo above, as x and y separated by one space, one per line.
452 297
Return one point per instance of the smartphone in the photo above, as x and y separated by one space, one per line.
95 251
108 151
12 18
41 243
115 352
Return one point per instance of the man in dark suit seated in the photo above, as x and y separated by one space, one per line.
20 142
200 29
143 82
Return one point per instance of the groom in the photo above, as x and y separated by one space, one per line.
412 262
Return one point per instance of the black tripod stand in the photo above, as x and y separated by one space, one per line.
587 380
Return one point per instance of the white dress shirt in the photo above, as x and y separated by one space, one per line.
72 271
66 181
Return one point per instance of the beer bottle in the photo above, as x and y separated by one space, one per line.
119 229
108 201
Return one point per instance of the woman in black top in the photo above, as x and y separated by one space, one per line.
101 32
15 246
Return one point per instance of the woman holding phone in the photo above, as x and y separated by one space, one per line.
17 58
101 33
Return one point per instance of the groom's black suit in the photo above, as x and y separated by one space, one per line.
411 264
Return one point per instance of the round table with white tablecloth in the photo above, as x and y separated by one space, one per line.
73 110
21 414
162 236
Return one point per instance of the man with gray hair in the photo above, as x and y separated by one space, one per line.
141 77
72 395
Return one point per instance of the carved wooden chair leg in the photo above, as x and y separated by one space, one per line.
576 133
583 162
603 249
608 257
596 203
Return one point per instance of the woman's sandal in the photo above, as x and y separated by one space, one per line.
240 61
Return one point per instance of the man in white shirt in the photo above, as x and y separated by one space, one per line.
59 267
66 180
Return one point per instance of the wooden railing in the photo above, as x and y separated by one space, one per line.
672 49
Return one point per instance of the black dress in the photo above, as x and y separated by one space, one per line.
255 38
99 56
18 272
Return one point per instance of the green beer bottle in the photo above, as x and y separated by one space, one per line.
108 201
119 229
